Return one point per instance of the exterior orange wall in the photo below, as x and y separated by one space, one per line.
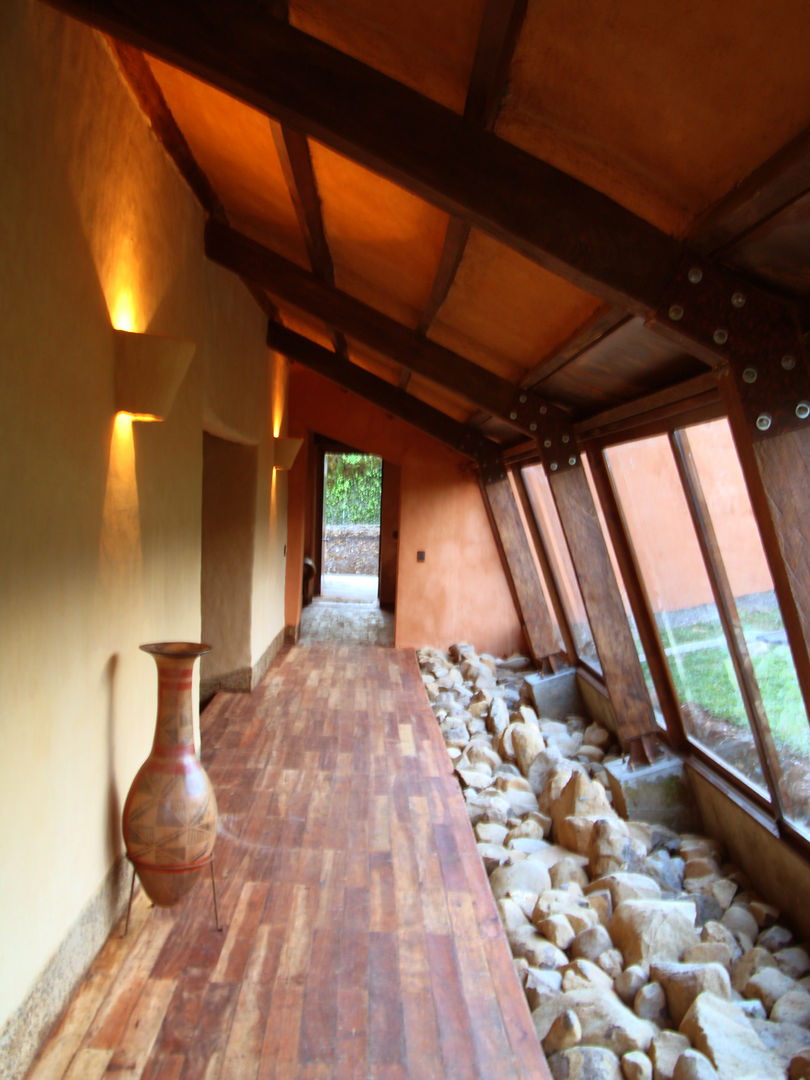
459 593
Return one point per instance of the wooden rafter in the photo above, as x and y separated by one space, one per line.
296 164
460 437
289 283
497 37
149 96
550 217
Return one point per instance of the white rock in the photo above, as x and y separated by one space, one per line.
792 1007
565 1032
590 944
628 984
637 1066
525 876
511 914
768 985
497 715
558 930
728 1039
612 848
584 975
607 1022
682 983
627 886
611 962
493 855
548 766
487 805
489 832
537 950
568 869
739 920
748 964
595 735
527 743
585 1063
479 753
794 961
708 952
653 929
667 1047
650 1003
692 1065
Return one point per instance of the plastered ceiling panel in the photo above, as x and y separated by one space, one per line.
628 364
663 107
233 145
385 242
306 325
504 311
374 363
426 45
451 405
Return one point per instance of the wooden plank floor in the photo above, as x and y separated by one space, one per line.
360 937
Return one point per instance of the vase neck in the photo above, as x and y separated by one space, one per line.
174 727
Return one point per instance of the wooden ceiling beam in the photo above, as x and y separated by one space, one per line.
296 165
776 184
459 437
497 38
550 217
565 226
144 86
290 284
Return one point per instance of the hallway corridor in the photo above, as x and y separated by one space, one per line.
360 939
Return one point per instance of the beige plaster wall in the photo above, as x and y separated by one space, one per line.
100 530
459 592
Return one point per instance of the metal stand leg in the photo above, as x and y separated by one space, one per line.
214 891
129 905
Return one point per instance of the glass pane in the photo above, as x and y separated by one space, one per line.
764 632
549 525
669 558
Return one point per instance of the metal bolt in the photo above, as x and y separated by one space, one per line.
676 312
720 336
788 361
572 461
553 466
532 426
543 410
764 421
566 438
695 275
523 399
547 443
513 416
738 299
749 375
803 410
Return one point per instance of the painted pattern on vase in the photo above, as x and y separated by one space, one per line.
170 814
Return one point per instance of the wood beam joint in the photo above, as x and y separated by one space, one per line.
722 317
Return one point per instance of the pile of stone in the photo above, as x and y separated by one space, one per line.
643 954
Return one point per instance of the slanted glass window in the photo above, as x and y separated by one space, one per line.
548 523
659 522
786 733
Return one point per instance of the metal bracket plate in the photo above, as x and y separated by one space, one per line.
726 320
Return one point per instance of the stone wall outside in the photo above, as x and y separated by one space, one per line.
351 549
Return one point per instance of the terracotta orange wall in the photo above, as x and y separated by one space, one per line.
459 592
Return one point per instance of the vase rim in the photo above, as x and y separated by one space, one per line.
180 649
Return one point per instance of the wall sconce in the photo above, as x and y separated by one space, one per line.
148 372
285 451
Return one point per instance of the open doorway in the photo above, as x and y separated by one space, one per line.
352 500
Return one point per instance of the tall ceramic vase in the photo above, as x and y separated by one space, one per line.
170 815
